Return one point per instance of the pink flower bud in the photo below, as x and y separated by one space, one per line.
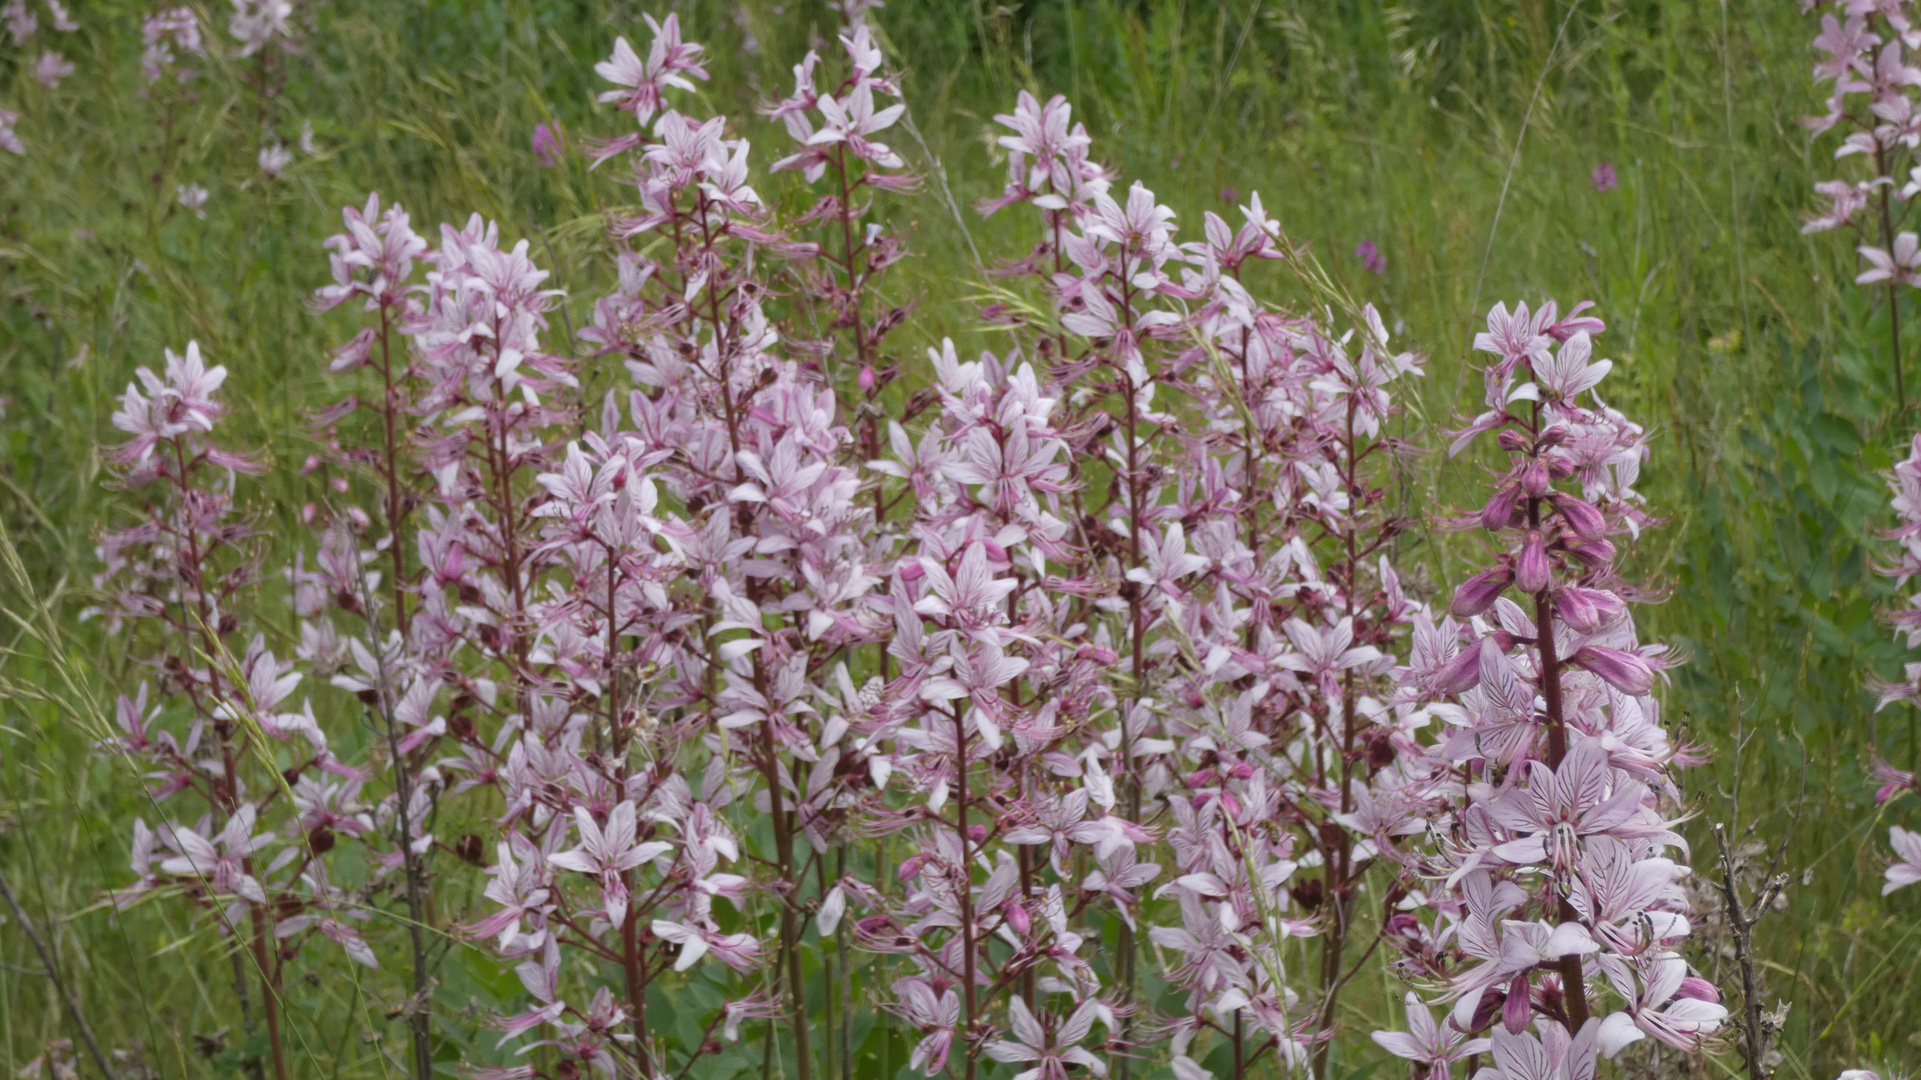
1490 1007
1458 675
1534 478
1586 610
1018 919
1699 989
1514 442
1200 778
1479 592
910 867
1625 671
1242 771
1517 1010
1595 556
912 571
1586 522
1531 571
867 379
1500 511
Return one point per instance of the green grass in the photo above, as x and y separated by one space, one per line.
1457 134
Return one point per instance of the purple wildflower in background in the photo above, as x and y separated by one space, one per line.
1371 258
51 69
1604 178
1230 194
549 142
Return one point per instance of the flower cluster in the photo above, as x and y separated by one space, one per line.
1548 875
162 33
1874 97
1905 484
52 67
177 584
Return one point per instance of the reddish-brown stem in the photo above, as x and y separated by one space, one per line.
419 1016
1573 982
636 978
1339 858
965 874
1894 293
1124 963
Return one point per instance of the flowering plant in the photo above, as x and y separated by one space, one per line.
752 654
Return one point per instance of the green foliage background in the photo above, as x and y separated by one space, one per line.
1459 135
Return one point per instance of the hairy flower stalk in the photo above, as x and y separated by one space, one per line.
1872 97
854 254
374 260
754 450
187 572
1113 296
1554 782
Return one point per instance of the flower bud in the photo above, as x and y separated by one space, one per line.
1514 442
1531 571
1458 675
1517 1010
1585 521
867 379
1380 750
1586 610
1500 510
1479 592
1625 671
1699 989
1534 477
1595 556
1018 919
1490 1006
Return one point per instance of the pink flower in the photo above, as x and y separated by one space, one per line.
1906 869
1844 201
1604 178
550 142
51 68
274 159
1050 1056
1425 1043
217 863
670 62
193 198
609 852
1371 258
1902 266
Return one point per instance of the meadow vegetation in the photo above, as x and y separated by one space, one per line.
1434 158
